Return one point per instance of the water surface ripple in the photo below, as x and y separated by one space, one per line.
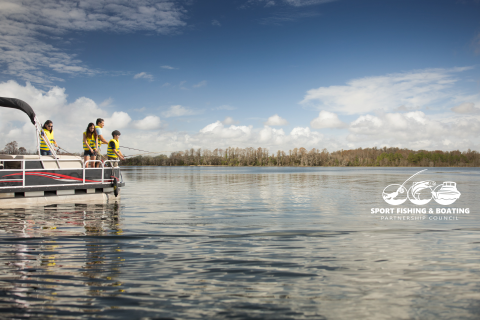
243 243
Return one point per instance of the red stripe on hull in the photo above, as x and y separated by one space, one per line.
54 176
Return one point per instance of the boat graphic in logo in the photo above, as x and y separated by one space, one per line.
421 193
447 194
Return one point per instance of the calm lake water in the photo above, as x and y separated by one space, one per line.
246 243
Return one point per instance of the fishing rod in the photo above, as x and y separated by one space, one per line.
144 151
135 149
139 154
400 189
69 153
96 153
103 158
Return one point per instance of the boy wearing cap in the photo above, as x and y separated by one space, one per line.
113 151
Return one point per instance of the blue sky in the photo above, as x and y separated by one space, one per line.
172 75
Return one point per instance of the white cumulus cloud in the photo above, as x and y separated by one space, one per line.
466 108
70 119
217 135
276 120
409 89
147 123
327 119
228 120
118 120
415 130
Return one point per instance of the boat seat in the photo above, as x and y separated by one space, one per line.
73 162
49 164
28 156
9 164
30 164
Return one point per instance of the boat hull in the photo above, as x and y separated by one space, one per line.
50 200
42 177
50 186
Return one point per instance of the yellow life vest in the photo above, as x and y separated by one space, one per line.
99 141
91 142
110 152
43 144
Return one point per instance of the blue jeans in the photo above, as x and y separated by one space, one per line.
45 152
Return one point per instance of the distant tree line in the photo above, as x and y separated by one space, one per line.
12 148
298 157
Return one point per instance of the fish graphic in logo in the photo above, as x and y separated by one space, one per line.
422 192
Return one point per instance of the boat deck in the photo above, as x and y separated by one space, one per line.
24 176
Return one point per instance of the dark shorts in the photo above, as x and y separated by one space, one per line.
88 153
45 152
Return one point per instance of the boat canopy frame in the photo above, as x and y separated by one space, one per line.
21 105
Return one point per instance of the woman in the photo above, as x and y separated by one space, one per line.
47 134
90 144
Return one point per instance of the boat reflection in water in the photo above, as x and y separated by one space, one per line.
447 194
56 252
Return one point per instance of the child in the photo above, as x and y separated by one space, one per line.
113 151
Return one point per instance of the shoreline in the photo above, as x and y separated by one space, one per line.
213 165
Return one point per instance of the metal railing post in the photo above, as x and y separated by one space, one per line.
23 170
103 171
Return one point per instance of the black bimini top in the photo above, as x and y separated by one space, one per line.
18 104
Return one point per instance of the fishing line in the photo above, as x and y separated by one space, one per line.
69 153
413 176
96 153
135 149
144 151
139 154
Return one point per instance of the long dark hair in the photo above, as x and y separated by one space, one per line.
46 124
90 134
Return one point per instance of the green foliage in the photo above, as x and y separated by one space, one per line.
314 157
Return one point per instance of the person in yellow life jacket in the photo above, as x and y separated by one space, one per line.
113 151
47 134
98 128
90 144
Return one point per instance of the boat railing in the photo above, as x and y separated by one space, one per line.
83 167
102 163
